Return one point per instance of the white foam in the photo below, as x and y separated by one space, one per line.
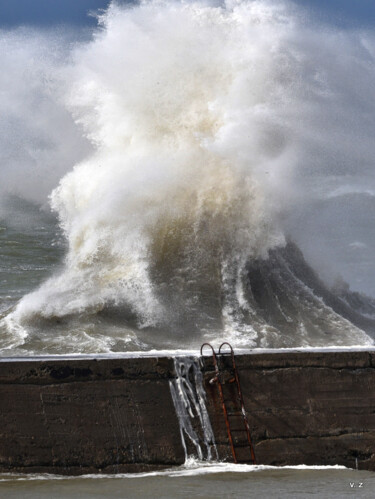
182 353
192 468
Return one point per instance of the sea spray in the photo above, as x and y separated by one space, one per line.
202 120
166 202
189 400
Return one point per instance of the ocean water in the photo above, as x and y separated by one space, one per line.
205 481
275 302
31 247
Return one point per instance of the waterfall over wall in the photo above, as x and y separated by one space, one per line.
189 400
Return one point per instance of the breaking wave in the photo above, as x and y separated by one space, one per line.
194 113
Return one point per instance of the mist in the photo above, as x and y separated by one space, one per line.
192 137
39 140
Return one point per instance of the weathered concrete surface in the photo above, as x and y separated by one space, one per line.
305 408
116 415
81 416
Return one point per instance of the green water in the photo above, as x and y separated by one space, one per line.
31 248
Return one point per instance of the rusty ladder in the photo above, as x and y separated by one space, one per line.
233 415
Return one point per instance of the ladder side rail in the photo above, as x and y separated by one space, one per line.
246 421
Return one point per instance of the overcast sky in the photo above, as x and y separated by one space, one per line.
344 13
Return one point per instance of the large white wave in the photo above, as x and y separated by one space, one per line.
204 120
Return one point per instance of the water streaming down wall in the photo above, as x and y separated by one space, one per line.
188 396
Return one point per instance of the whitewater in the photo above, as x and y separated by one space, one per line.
196 125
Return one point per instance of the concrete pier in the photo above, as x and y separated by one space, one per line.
96 414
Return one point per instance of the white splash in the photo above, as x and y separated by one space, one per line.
198 115
189 400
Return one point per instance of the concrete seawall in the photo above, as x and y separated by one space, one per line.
81 415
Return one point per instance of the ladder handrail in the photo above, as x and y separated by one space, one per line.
229 345
212 348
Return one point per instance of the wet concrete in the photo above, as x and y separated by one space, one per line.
74 416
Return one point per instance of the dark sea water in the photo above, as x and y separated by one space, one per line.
276 302
207 482
31 247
